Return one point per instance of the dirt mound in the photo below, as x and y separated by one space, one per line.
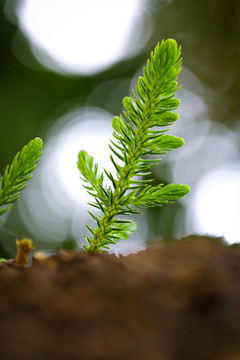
173 301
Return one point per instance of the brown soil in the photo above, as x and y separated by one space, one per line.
173 301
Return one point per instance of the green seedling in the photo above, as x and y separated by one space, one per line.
15 175
140 132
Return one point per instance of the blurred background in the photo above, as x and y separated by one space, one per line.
65 67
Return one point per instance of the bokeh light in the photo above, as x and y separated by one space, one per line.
83 37
216 200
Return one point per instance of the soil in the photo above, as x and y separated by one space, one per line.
176 300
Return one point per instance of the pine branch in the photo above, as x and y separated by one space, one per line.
15 176
140 132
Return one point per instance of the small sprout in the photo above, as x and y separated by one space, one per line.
138 134
24 247
15 176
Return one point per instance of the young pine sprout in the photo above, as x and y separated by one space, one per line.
140 132
15 176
